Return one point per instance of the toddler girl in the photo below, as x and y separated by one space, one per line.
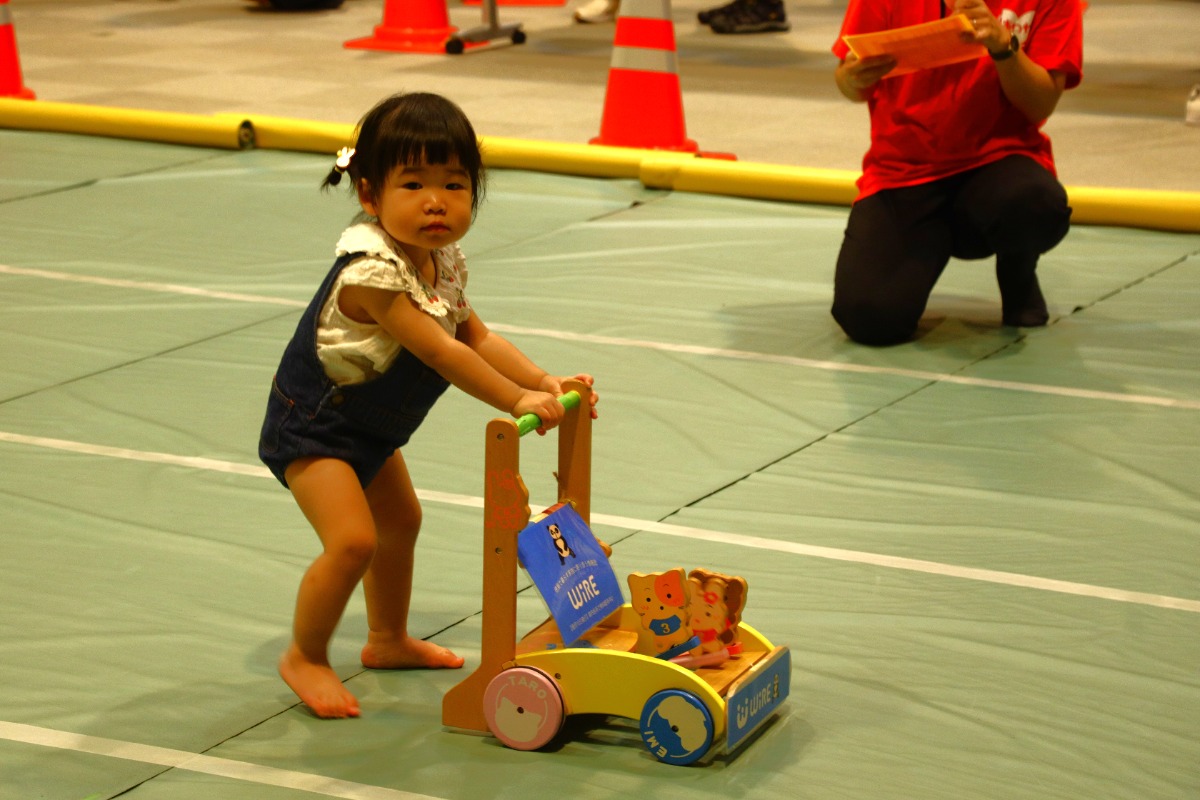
388 330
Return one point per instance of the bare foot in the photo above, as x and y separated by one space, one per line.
317 686
408 653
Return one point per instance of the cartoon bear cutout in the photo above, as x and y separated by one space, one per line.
661 600
715 608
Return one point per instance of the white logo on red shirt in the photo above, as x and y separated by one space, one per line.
1018 25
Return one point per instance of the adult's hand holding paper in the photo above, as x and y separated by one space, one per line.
917 47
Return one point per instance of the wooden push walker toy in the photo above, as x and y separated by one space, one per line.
677 658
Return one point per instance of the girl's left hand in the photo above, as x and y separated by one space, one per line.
553 384
989 31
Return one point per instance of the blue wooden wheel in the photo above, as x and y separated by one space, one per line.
676 727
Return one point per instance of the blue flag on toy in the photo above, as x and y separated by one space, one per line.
570 569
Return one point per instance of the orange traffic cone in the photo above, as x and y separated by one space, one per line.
10 64
642 104
410 26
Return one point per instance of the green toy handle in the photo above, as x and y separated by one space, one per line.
531 422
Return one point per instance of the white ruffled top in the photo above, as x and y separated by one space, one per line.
354 352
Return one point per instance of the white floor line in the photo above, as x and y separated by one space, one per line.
908 564
667 529
838 366
642 344
148 286
209 765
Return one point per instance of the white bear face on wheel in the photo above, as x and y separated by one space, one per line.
519 724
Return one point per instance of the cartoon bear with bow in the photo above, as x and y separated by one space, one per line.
715 608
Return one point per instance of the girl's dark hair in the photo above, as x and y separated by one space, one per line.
409 128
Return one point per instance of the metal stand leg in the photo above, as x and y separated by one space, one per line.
490 31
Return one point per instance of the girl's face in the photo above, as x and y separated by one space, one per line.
422 207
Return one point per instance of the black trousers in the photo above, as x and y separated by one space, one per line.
898 241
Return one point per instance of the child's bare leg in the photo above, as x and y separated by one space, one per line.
328 492
388 581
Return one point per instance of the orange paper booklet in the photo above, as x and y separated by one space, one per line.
916 47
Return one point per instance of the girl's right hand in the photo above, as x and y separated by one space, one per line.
542 404
554 385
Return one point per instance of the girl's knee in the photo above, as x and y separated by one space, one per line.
403 527
398 515
410 519
354 552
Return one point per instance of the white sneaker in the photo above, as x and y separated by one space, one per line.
1192 113
598 11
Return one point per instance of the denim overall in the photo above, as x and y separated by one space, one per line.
363 424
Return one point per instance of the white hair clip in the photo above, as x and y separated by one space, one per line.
340 165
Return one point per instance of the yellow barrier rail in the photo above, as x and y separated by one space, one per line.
655 169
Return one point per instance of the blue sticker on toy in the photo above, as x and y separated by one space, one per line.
570 569
754 698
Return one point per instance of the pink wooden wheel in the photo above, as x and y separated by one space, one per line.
523 708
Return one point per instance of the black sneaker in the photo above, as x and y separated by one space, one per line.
707 14
302 5
749 16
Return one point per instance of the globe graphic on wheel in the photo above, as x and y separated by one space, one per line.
679 726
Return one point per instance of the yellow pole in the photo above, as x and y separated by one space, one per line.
656 169
226 131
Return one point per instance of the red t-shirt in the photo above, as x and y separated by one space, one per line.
937 122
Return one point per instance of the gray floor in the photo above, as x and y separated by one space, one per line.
766 98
